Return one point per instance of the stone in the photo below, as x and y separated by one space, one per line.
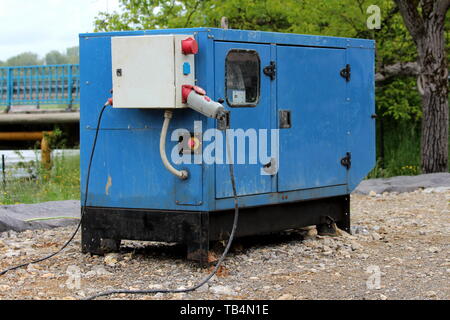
431 294
286 297
204 288
436 190
4 288
375 236
372 193
433 250
356 246
48 276
98 271
222 290
359 230
179 296
111 259
311 234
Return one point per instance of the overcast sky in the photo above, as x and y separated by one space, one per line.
43 25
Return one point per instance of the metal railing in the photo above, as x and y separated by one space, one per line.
40 85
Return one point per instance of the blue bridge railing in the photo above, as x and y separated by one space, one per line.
40 85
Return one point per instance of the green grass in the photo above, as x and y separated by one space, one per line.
402 152
60 183
402 157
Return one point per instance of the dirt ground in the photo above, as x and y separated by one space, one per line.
399 250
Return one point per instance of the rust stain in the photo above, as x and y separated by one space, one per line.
108 185
221 273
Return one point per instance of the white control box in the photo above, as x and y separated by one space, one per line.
149 71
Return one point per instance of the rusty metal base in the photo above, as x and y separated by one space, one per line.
104 228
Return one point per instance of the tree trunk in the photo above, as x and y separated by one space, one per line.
434 79
427 30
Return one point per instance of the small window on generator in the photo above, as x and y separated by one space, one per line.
242 78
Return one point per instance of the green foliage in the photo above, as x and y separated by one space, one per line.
62 182
71 56
55 57
401 150
399 100
57 139
24 59
342 18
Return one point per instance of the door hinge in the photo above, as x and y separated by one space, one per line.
346 73
285 119
347 161
271 70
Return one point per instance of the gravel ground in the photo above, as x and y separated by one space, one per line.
399 250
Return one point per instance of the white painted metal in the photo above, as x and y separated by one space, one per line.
180 78
148 71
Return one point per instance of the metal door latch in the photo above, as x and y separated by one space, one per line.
347 161
346 73
271 70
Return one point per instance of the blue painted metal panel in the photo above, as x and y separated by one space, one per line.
244 118
283 197
361 107
253 37
127 169
39 85
311 88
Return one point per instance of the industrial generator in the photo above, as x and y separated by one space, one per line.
295 111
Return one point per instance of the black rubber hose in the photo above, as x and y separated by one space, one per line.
219 263
82 211
139 292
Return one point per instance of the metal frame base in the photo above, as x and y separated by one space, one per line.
104 228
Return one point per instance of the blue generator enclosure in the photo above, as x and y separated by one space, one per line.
295 114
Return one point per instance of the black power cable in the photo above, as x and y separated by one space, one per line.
82 211
219 263
139 292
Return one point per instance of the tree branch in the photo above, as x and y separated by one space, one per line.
188 20
397 69
413 21
442 7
